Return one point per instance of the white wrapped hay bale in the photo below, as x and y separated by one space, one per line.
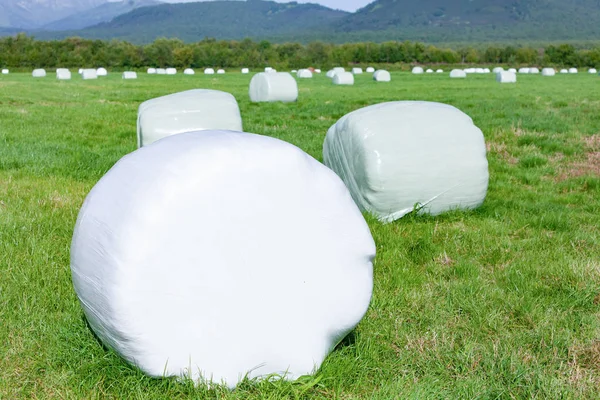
63 74
192 110
180 237
523 70
39 73
338 70
245 71
497 70
439 71
513 70
573 70
273 86
151 71
382 76
294 71
317 71
370 70
479 71
486 71
458 73
209 71
357 71
429 71
5 71
101 72
343 78
330 73
89 74
417 70
548 72
269 69
161 71
534 70
129 75
220 71
395 155
171 71
188 71
304 74
470 70
506 77
592 71
564 71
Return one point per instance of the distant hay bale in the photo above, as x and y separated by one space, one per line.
357 71
5 71
294 71
338 70
245 71
220 71
171 71
458 73
89 74
273 87
486 71
189 71
209 71
523 70
370 70
479 71
129 75
161 71
470 70
269 69
497 70
151 71
506 77
63 74
592 71
573 70
39 73
513 70
192 110
548 72
564 71
101 72
330 73
304 74
429 71
534 70
439 71
343 78
417 70
382 76
317 71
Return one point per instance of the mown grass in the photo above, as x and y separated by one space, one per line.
501 302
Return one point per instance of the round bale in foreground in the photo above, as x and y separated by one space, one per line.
192 110
273 86
394 156
216 255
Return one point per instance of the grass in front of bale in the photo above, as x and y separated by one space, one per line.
500 302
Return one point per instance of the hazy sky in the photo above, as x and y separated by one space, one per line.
348 5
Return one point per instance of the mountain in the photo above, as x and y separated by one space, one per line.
103 13
31 14
219 19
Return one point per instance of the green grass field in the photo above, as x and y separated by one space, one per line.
501 302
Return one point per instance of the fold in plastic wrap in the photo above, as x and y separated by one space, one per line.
214 255
395 156
273 86
192 110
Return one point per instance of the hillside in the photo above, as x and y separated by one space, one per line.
219 19
103 13
32 14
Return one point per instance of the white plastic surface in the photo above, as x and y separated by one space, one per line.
513 70
5 71
393 156
523 70
548 72
101 72
357 71
188 71
192 110
219 254
458 73
343 78
417 70
338 70
63 74
220 71
506 77
89 74
469 70
429 71
38 73
330 74
592 71
161 71
573 70
151 71
497 69
80 71
370 70
245 71
171 71
439 71
382 75
129 75
304 74
534 70
209 71
273 86
317 71
564 71
268 69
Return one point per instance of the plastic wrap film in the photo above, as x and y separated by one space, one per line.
129 75
497 70
209 71
382 75
330 74
304 74
189 71
5 71
573 70
339 70
192 110
273 86
171 71
400 155
220 71
213 255
506 77
548 72
101 72
534 70
245 70
357 71
417 70
370 70
592 71
63 74
151 71
88 74
458 73
161 71
429 71
38 73
343 78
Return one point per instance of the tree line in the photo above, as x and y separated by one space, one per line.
23 51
